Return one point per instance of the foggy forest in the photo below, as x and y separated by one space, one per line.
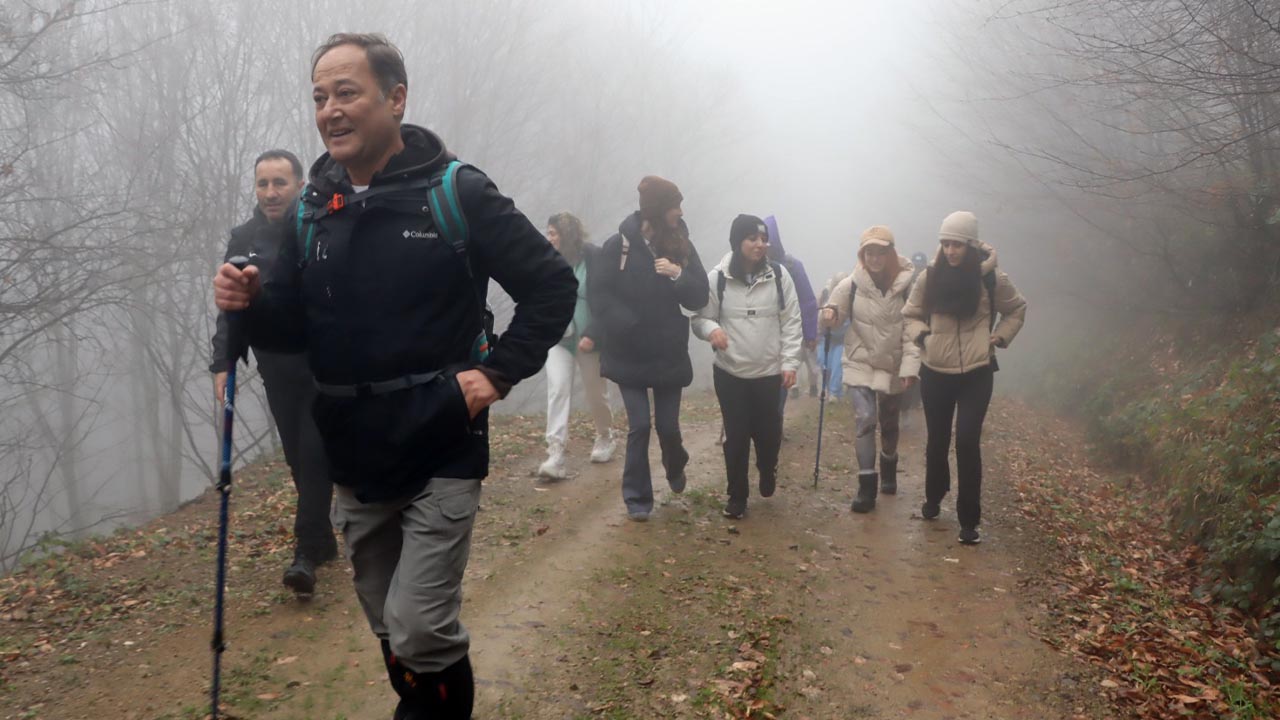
1122 156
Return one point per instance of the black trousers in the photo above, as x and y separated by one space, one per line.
290 393
750 411
964 399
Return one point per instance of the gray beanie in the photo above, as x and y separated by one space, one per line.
960 225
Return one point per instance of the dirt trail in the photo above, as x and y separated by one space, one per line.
577 612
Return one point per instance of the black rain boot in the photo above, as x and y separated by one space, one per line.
888 474
866 500
300 577
445 695
396 675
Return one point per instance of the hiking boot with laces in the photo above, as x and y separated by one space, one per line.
300 577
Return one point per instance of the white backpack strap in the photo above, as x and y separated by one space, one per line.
626 250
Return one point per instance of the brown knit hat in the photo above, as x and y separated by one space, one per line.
657 196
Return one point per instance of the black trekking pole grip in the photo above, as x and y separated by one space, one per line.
235 350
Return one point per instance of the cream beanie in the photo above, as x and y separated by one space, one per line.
960 225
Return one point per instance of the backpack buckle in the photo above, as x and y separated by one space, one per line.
337 202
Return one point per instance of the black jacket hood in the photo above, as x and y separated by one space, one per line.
423 152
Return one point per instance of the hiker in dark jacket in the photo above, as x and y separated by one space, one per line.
290 391
649 275
808 308
385 291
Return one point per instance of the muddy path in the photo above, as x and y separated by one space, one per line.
802 609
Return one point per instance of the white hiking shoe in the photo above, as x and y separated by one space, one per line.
602 451
553 468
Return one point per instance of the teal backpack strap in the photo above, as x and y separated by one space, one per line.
299 222
451 223
447 210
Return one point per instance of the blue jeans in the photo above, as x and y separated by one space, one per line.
637 483
833 359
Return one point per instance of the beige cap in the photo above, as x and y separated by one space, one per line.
876 235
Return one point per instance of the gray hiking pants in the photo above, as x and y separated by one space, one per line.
408 557
871 408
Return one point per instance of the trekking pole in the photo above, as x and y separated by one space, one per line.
822 401
234 351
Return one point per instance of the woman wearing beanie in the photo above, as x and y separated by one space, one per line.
879 360
752 320
566 234
645 279
951 315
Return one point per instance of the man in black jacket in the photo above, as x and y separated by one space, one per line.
277 178
391 314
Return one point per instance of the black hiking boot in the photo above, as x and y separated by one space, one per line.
888 474
735 509
866 500
396 676
445 695
768 483
930 510
677 482
969 536
301 575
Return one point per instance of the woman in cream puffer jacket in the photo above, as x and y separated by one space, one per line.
952 315
879 360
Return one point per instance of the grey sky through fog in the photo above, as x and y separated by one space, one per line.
835 89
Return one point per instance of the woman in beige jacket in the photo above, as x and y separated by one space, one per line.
879 360
951 316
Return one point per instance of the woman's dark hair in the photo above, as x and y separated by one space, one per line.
955 290
572 235
671 243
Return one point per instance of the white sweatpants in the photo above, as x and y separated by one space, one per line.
560 364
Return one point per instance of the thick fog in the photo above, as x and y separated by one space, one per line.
128 130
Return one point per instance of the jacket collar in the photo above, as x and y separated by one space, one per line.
423 152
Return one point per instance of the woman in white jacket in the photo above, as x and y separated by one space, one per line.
752 320
880 361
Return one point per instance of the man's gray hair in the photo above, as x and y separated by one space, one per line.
385 59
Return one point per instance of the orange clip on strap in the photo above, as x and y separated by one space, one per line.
337 202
